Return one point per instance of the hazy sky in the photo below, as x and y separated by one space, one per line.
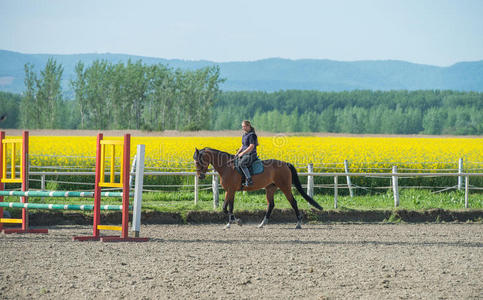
436 32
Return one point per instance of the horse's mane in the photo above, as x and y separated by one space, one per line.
218 151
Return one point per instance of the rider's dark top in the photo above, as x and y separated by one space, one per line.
248 139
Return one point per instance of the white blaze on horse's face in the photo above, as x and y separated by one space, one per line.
200 167
200 170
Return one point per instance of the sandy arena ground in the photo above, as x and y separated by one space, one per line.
321 261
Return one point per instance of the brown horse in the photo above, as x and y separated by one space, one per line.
276 175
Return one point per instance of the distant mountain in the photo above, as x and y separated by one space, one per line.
275 74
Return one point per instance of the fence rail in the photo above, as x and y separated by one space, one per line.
463 176
463 180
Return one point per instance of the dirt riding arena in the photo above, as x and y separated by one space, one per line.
321 261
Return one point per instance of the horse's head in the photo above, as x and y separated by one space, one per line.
201 163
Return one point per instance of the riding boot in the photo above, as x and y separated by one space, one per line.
247 176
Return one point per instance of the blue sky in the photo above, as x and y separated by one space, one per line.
435 32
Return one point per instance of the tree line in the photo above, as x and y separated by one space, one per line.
134 95
363 111
120 96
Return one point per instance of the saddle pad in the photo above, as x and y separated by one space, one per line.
257 167
254 169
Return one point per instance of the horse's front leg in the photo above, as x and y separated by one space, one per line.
228 209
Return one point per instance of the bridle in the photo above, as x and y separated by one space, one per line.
199 162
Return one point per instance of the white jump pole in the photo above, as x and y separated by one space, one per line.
138 190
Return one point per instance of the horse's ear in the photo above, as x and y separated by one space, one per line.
197 152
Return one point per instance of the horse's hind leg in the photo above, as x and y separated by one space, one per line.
288 194
270 191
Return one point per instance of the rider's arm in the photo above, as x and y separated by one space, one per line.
239 150
247 150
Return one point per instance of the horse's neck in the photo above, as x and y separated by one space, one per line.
219 169
220 162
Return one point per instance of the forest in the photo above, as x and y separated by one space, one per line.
135 95
119 96
389 112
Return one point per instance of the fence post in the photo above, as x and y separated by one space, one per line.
467 190
349 184
196 189
335 191
42 182
460 170
138 189
395 187
310 180
216 194
133 168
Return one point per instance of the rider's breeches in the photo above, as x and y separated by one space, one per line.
245 161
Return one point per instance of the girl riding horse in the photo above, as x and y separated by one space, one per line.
276 175
247 153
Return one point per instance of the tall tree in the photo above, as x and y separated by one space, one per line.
43 97
49 93
97 76
30 111
136 83
160 97
79 86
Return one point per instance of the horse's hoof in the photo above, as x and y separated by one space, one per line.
299 226
227 226
264 222
239 222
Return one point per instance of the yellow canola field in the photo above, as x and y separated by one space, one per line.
364 154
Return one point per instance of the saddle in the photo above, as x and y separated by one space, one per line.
255 168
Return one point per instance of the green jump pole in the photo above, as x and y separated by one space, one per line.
58 194
58 206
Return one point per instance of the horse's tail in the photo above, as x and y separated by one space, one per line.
296 182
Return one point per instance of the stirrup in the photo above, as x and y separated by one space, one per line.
248 182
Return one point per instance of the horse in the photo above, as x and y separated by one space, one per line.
276 175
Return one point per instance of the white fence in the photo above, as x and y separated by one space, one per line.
463 179
215 186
